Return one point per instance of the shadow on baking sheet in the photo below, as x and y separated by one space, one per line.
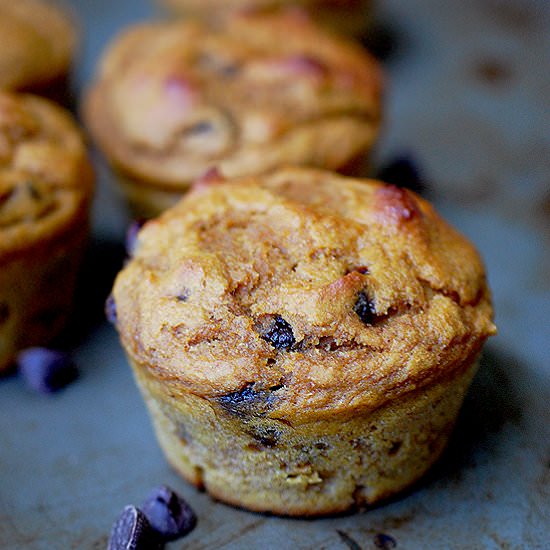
491 404
103 259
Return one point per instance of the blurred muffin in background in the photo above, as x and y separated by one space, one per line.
39 41
45 193
344 16
172 99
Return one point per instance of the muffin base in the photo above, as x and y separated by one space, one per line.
322 467
36 291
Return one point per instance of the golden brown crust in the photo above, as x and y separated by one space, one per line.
382 297
172 99
45 176
38 43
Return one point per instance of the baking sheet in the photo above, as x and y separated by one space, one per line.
468 97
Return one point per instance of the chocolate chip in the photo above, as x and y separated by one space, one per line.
279 333
110 309
247 401
403 171
364 308
386 542
132 531
131 236
45 370
168 514
202 127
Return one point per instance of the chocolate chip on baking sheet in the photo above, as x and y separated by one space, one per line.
386 542
131 235
45 370
132 531
110 309
168 514
403 171
364 309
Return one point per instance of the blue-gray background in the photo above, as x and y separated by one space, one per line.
468 97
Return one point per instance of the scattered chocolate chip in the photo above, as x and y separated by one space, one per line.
168 514
403 171
45 370
110 309
386 542
131 236
347 540
279 333
364 308
132 531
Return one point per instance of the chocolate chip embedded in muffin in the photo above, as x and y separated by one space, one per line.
323 310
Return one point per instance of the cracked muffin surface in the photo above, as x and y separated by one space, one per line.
302 305
45 192
38 43
172 99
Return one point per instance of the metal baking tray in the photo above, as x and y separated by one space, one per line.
468 98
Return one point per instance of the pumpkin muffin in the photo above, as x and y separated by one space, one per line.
345 16
45 191
303 341
38 45
171 99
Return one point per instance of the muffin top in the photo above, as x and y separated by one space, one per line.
45 176
174 98
38 42
302 293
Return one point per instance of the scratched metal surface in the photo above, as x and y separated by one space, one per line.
468 96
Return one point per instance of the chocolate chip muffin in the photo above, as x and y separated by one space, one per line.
45 191
303 340
38 45
172 99
344 16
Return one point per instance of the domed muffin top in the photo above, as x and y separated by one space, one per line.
302 292
173 98
45 176
38 43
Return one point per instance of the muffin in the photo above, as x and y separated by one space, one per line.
303 340
345 16
45 190
38 46
174 98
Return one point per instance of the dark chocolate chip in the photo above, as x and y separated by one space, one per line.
169 515
132 531
202 127
364 308
247 401
386 542
183 296
403 171
279 334
268 436
131 236
45 370
110 309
